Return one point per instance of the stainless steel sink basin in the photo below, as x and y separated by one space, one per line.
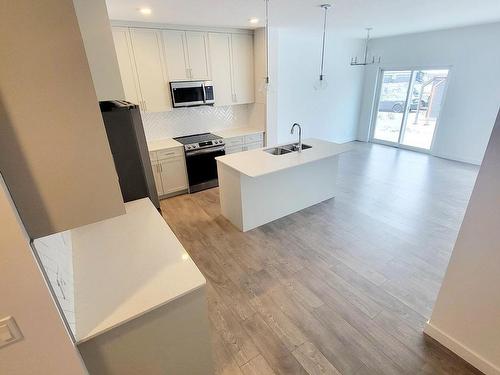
295 146
278 151
286 149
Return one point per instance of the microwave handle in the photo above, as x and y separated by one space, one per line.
204 92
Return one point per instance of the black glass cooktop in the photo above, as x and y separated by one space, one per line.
197 138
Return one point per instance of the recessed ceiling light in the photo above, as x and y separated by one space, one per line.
145 11
253 20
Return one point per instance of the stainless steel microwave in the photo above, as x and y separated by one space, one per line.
192 93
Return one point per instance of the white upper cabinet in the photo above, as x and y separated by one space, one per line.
220 62
126 63
196 43
175 54
243 68
231 61
186 55
150 58
153 83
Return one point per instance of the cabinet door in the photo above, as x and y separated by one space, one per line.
174 42
234 141
149 63
157 177
234 149
173 174
220 62
123 48
253 146
243 71
196 47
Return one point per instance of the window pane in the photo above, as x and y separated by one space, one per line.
392 104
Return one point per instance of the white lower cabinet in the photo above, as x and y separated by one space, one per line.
173 175
169 170
233 149
254 146
157 177
244 143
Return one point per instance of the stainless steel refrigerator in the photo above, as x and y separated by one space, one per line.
130 151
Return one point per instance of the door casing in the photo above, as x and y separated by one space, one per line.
376 102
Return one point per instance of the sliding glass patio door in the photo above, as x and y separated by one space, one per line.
409 103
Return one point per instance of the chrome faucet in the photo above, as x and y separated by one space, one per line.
300 136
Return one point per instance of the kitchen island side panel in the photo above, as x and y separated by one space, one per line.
230 194
272 196
172 339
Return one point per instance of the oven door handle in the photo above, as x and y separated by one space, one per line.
204 151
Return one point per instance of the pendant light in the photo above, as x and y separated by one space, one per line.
374 60
322 83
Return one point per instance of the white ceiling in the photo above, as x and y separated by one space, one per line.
387 17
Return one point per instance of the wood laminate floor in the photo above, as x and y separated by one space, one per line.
343 287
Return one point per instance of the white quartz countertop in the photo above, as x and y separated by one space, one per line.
255 163
237 132
127 266
163 144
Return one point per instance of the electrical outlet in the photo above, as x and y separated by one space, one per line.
9 331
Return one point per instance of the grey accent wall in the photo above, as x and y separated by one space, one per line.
54 153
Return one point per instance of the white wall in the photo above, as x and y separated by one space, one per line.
46 347
330 114
95 28
473 94
466 317
257 110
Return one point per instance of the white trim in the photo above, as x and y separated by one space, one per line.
457 158
376 104
166 26
461 350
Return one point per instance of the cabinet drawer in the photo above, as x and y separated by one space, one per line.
234 149
153 156
252 138
169 153
253 146
235 141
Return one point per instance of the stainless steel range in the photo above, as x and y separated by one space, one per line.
201 151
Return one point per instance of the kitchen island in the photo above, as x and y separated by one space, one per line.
257 187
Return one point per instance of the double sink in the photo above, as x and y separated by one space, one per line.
286 149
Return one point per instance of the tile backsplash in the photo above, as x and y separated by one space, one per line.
56 255
186 121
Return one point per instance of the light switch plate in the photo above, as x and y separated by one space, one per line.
9 331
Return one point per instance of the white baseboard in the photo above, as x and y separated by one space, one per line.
461 350
458 158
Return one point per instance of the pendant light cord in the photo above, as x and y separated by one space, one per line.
325 7
267 41
366 44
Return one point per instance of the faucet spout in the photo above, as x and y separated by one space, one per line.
299 145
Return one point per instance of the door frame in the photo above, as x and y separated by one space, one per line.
376 103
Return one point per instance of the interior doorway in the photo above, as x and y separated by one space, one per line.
409 104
